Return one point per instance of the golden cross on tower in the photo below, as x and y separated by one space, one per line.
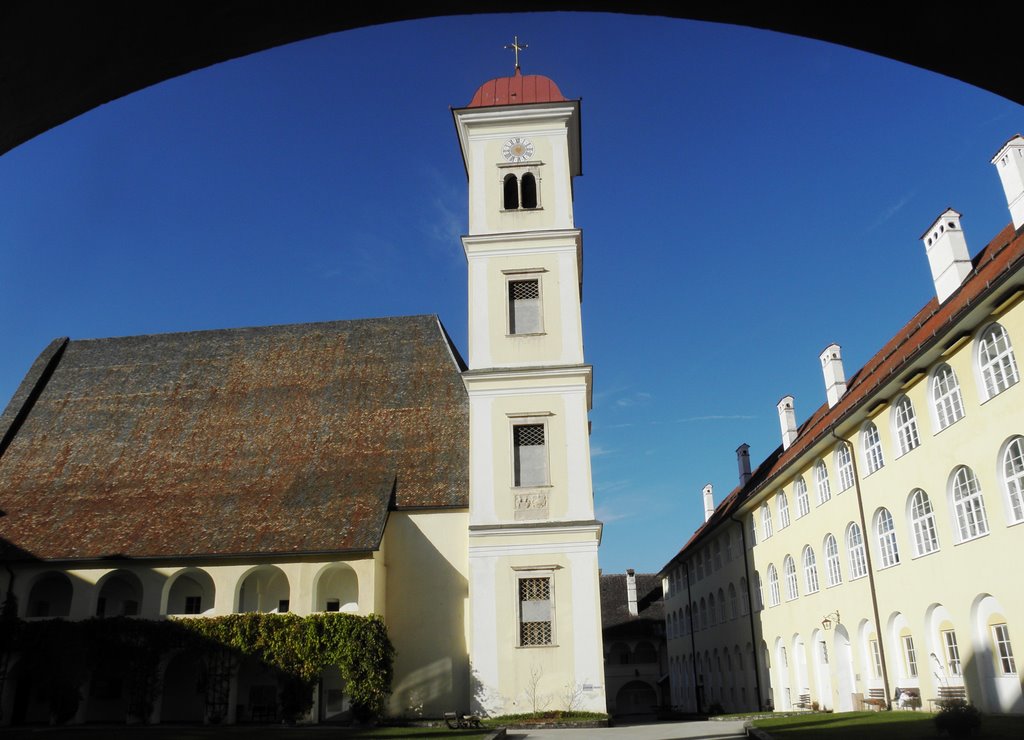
517 48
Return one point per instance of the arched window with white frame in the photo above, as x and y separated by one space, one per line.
844 466
721 606
885 534
773 585
734 608
833 570
996 362
904 422
766 520
855 551
789 569
821 482
968 505
703 614
810 570
783 504
1013 479
510 188
922 522
803 505
946 399
873 458
711 610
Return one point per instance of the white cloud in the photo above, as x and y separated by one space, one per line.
606 514
714 417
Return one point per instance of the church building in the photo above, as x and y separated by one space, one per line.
346 466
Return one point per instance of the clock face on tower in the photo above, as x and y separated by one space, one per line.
517 149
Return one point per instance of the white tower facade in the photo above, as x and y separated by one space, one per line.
534 600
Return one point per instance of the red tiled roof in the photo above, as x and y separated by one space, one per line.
516 90
1003 256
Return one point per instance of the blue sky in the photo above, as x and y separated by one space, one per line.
747 199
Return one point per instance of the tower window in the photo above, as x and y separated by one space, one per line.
511 193
535 611
529 191
524 307
531 455
520 189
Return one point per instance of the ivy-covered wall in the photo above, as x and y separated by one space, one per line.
60 656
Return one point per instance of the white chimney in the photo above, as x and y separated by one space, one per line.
743 462
709 501
832 369
787 421
1009 164
947 254
631 591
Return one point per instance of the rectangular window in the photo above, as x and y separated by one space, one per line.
910 655
524 314
530 454
535 611
193 604
1004 649
952 652
282 606
333 605
876 659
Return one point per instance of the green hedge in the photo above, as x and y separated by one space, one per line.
60 655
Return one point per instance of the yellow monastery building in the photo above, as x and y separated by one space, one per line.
870 557
349 466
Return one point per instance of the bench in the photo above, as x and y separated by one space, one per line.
907 698
948 694
461 720
876 699
804 701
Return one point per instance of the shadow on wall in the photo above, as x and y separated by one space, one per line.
988 688
432 658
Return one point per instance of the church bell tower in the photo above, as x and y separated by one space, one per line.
535 616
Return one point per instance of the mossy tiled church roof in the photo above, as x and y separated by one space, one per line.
271 440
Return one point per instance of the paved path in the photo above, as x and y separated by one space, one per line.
648 731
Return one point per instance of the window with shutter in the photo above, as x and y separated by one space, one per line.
524 314
535 611
530 455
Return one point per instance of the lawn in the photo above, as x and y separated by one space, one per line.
242 732
881 726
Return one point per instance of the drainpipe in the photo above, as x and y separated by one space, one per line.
871 569
693 640
750 610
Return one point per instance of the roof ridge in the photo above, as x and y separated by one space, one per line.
260 328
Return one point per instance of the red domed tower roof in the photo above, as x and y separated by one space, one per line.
519 89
